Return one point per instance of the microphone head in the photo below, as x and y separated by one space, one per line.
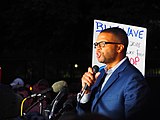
95 69
57 86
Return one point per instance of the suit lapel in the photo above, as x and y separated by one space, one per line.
109 83
114 76
105 88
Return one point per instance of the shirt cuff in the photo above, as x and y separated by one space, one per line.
85 98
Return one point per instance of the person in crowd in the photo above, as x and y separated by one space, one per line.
10 103
17 83
118 90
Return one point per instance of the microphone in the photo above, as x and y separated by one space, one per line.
70 103
68 106
62 93
95 70
56 87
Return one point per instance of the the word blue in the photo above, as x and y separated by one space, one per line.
130 32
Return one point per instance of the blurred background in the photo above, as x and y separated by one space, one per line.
52 40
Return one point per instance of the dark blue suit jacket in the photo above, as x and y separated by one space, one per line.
124 96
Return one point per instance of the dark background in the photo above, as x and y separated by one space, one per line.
45 38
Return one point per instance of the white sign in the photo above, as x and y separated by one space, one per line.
137 42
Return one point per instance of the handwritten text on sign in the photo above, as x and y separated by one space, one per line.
138 33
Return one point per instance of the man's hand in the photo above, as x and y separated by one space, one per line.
89 78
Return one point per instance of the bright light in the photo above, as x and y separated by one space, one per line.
76 65
30 88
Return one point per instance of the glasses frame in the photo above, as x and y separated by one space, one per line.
104 43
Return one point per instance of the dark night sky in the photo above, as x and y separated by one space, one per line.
52 35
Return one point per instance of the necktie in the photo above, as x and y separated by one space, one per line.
101 82
96 92
98 89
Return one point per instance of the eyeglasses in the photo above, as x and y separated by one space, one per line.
103 43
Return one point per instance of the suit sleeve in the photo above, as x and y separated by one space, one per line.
136 97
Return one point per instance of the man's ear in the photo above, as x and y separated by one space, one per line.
120 48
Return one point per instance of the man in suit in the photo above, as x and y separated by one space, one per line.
118 90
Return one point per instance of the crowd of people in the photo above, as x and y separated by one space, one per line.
13 94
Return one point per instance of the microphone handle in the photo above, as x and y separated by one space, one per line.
34 104
51 115
95 70
85 88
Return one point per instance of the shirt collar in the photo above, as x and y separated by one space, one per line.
110 71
